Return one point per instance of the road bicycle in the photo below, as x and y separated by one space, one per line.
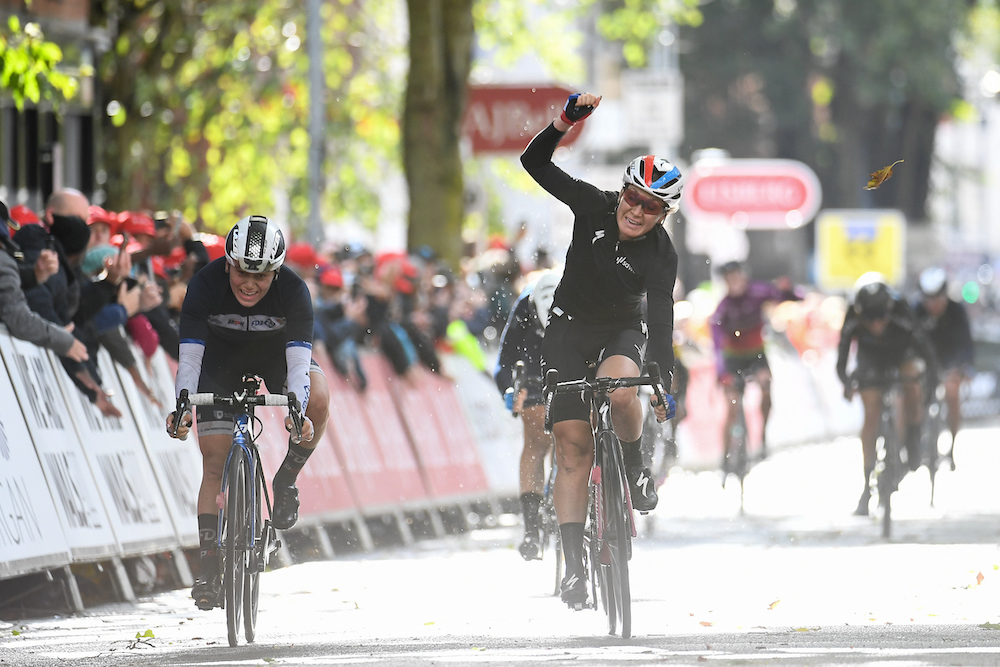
610 524
246 541
889 468
935 417
549 526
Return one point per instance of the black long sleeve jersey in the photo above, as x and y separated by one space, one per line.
604 279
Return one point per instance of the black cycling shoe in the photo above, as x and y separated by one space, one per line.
207 593
642 488
531 547
573 590
285 512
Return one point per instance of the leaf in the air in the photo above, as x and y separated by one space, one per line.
881 176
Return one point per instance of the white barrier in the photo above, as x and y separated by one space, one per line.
72 487
500 436
120 466
31 536
176 463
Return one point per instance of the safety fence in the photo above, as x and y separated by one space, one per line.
79 487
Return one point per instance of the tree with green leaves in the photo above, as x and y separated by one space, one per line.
29 65
846 86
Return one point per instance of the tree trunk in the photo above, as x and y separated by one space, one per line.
441 33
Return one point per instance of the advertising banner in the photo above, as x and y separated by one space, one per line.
176 463
31 536
120 466
372 441
498 434
70 482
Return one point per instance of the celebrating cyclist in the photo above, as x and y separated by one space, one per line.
246 314
737 331
619 252
889 340
522 341
947 326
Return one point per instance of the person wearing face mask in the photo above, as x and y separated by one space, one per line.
68 296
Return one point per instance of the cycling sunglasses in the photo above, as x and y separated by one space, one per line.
649 205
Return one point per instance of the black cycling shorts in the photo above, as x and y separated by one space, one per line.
746 365
875 367
570 345
219 419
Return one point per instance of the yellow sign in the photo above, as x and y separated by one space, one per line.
850 242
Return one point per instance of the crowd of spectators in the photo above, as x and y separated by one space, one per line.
75 278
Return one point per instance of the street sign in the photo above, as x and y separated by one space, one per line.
850 242
751 194
503 119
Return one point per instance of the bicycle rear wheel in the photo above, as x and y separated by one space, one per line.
887 478
235 541
251 577
617 538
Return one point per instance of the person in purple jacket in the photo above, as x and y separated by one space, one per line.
737 331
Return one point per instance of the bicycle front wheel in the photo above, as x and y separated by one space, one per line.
251 576
237 507
617 538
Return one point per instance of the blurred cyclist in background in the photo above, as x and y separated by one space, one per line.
947 327
737 331
888 340
522 341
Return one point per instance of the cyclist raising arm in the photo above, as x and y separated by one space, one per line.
247 314
619 252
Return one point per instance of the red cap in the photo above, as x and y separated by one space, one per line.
331 277
99 215
214 245
301 254
23 215
135 222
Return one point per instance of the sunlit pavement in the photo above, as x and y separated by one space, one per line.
794 580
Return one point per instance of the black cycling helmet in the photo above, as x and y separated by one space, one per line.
933 281
872 296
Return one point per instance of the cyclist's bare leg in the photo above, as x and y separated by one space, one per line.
763 377
575 456
536 445
214 451
871 399
318 410
913 413
732 406
626 410
952 387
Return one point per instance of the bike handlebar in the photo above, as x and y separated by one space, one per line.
237 399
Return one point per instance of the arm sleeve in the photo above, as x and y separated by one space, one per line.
537 161
511 342
298 356
298 346
844 346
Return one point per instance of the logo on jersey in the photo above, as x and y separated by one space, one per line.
232 322
624 262
598 235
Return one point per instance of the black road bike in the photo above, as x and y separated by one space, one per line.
610 524
246 540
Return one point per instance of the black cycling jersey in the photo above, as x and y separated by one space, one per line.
949 334
604 279
221 340
902 339
521 341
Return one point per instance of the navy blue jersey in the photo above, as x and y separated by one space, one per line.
235 340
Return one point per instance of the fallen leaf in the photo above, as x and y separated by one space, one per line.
806 629
146 634
990 626
773 604
979 578
707 624
15 632
702 658
476 648
429 623
881 176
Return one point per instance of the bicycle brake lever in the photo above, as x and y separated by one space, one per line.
179 410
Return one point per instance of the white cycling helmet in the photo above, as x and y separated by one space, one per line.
543 291
657 177
933 281
256 245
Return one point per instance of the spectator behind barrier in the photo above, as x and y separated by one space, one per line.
14 311
68 296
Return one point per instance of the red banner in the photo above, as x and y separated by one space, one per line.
503 119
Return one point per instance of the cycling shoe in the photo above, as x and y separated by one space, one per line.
642 488
207 593
573 590
285 512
